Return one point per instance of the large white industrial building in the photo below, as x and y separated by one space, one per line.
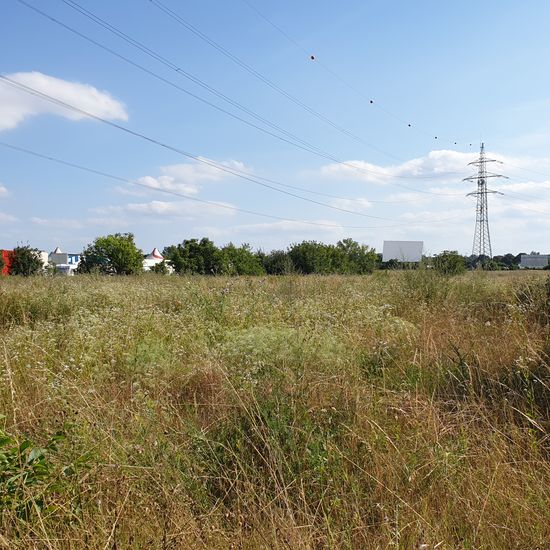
403 251
534 261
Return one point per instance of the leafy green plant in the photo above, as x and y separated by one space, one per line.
449 262
25 261
30 475
112 255
161 268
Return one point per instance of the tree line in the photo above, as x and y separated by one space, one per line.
117 254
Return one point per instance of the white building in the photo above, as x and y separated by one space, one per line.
534 261
152 259
43 255
403 251
64 263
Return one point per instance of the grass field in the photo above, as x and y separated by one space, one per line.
398 410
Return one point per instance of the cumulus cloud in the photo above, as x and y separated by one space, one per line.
165 209
187 177
444 164
3 191
16 105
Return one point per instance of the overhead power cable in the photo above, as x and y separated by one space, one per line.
302 144
525 207
257 74
196 199
239 173
370 100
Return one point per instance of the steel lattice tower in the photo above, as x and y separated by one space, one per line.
482 237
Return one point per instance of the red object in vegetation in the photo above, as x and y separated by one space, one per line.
6 256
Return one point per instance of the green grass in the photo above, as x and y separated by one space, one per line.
389 411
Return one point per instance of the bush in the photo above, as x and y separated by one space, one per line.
241 260
449 262
161 268
26 261
277 262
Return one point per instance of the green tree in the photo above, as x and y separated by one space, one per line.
26 261
449 262
311 257
161 268
241 260
193 256
277 262
113 254
359 258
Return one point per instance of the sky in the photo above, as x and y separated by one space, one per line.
235 133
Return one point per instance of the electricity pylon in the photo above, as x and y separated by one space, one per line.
482 237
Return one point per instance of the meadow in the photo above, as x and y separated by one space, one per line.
395 410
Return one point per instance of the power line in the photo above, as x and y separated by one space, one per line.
170 64
526 169
337 76
251 70
235 172
527 208
124 36
196 199
304 145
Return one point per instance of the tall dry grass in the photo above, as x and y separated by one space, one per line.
399 410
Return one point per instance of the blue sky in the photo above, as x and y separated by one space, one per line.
463 72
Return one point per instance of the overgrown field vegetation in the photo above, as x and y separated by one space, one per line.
396 410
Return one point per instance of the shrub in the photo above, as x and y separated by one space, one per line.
161 268
449 262
25 261
277 262
241 260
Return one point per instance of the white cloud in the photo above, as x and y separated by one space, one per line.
359 204
446 164
16 105
535 188
187 177
3 191
59 223
6 218
165 209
